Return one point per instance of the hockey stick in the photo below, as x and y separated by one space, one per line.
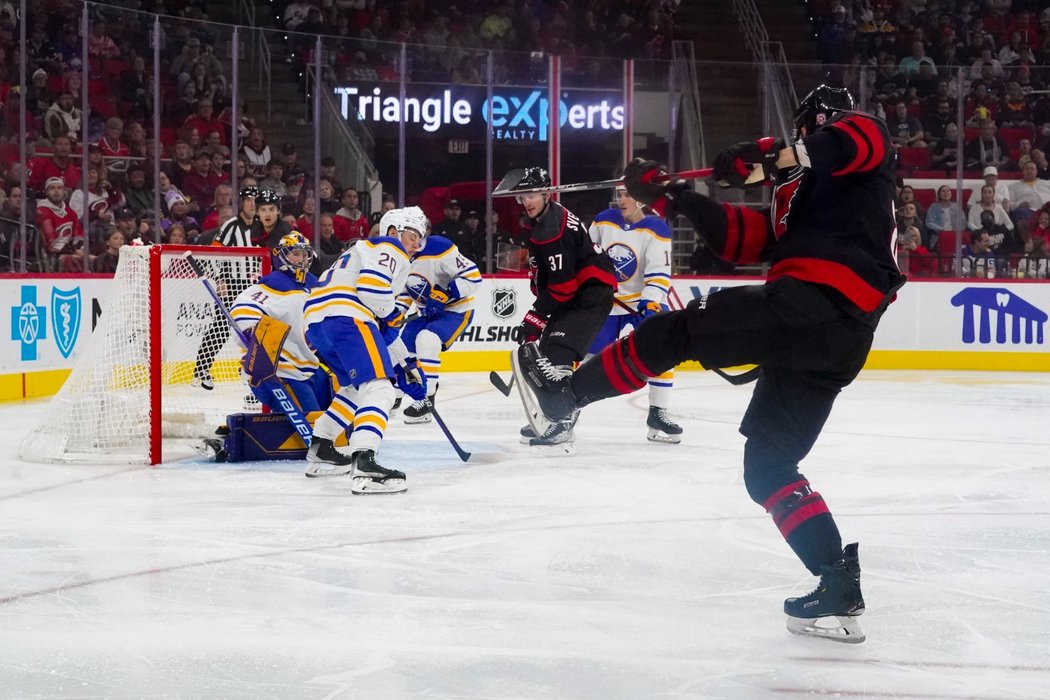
508 190
501 386
734 379
275 385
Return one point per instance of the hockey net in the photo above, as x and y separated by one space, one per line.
141 378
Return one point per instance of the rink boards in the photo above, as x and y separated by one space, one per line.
952 324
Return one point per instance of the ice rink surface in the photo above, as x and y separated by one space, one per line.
630 570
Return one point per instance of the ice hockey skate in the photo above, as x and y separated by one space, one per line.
324 460
370 477
202 378
559 439
212 448
543 387
830 611
662 428
419 411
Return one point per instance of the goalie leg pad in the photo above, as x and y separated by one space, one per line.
262 437
264 350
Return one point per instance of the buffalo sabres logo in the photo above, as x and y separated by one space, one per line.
624 259
418 287
504 302
65 318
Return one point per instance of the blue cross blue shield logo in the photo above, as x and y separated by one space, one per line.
28 323
65 318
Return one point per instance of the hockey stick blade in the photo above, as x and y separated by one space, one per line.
463 454
506 189
503 387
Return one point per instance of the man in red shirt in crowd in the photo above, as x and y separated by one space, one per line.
201 182
350 222
59 165
204 122
59 226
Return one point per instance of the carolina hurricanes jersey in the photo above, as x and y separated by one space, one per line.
833 214
640 254
281 297
363 283
565 258
440 264
58 225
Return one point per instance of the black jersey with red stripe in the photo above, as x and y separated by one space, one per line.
833 215
565 258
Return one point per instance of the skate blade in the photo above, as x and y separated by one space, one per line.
322 469
559 450
661 436
409 420
531 404
835 628
366 486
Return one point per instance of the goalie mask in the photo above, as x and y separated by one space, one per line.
819 106
293 255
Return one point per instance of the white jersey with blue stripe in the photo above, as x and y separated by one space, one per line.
440 264
641 256
281 297
363 283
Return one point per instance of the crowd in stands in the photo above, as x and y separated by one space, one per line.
913 59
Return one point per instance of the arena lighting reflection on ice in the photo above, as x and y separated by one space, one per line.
515 114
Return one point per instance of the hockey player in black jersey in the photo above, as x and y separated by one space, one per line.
830 239
573 281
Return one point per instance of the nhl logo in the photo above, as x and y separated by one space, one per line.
503 302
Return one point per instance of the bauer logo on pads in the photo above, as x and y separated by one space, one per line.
65 318
504 302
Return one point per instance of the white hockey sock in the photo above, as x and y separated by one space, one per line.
428 354
660 390
374 400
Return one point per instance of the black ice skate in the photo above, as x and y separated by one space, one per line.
212 448
370 477
527 433
325 460
829 612
419 411
558 439
662 428
543 386
203 379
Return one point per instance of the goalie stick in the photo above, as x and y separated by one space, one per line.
275 385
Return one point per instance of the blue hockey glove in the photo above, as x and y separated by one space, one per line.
411 380
438 299
648 307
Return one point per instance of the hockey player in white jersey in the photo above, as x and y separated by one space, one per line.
639 245
281 295
441 284
346 316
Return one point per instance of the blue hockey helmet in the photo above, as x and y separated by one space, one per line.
292 255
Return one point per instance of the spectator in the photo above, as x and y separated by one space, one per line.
38 96
833 44
936 124
181 109
330 245
10 214
913 258
909 218
1028 194
980 106
986 59
200 183
257 153
192 53
62 118
124 220
1015 52
177 235
987 149
305 223
1033 264
944 215
909 65
1042 225
181 162
350 221
1002 190
451 227
100 44
988 204
292 168
113 150
59 165
388 203
178 213
135 138
295 13
99 214
140 198
945 153
274 179
204 121
135 83
977 256
906 195
328 173
106 262
329 203
59 227
1013 108
218 166
905 130
472 244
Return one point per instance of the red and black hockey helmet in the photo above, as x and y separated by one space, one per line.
268 197
534 178
819 105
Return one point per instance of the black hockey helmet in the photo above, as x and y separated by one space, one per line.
268 197
249 191
534 178
819 105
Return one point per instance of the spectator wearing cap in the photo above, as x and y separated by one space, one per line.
293 169
57 165
62 118
114 151
1001 189
201 182
274 179
473 241
124 221
451 227
178 213
139 195
328 173
192 52
38 96
59 226
350 222
834 44
204 120
257 153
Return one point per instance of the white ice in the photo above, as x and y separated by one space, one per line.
630 570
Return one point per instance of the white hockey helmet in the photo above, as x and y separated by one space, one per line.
414 218
390 218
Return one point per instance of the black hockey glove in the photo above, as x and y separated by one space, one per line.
531 327
648 182
748 163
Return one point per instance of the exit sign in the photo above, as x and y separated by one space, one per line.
458 146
